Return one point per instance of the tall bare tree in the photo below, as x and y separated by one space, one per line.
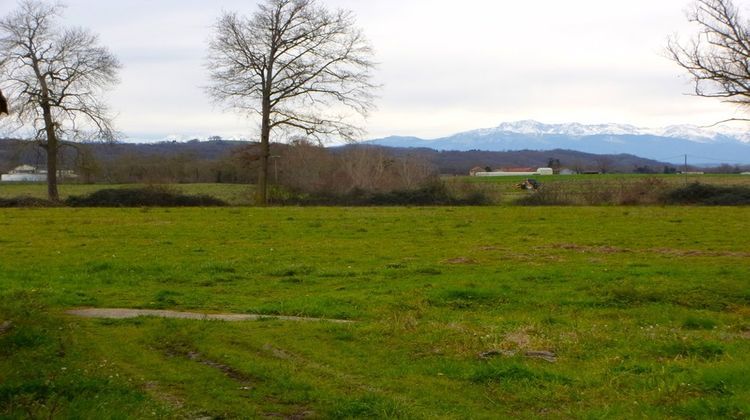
718 57
55 76
296 65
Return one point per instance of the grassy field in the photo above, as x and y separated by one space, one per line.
647 310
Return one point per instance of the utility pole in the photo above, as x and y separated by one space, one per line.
275 168
685 171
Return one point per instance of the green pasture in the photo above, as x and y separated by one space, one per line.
646 309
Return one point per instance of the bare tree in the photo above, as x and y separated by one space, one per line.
366 167
413 171
718 58
296 65
307 167
55 77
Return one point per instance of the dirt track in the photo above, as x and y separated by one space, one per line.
119 313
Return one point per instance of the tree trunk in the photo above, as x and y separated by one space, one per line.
52 171
49 128
261 197
51 149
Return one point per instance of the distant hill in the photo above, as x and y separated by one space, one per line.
201 153
461 162
17 152
668 144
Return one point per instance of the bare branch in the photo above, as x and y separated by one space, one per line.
55 77
726 121
718 58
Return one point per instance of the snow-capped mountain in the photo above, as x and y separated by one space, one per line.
686 131
668 144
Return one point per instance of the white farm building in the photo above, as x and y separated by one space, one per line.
28 173
24 173
530 172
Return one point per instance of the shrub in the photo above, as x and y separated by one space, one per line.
434 194
592 193
473 192
710 195
645 191
25 202
548 195
143 197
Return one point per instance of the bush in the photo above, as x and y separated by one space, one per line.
433 194
25 202
709 195
143 197
592 193
548 195
473 192
645 191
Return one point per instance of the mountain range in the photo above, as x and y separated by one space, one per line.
670 144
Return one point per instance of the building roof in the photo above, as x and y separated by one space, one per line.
25 168
519 169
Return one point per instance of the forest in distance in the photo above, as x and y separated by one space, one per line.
226 161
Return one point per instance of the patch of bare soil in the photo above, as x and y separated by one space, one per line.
166 398
532 354
697 253
296 416
460 261
228 371
586 249
120 313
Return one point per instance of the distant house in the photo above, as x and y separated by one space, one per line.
28 173
517 172
545 171
474 171
24 173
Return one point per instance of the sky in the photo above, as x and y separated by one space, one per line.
445 66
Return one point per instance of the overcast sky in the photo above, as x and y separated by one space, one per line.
446 66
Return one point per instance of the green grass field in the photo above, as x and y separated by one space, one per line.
646 308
